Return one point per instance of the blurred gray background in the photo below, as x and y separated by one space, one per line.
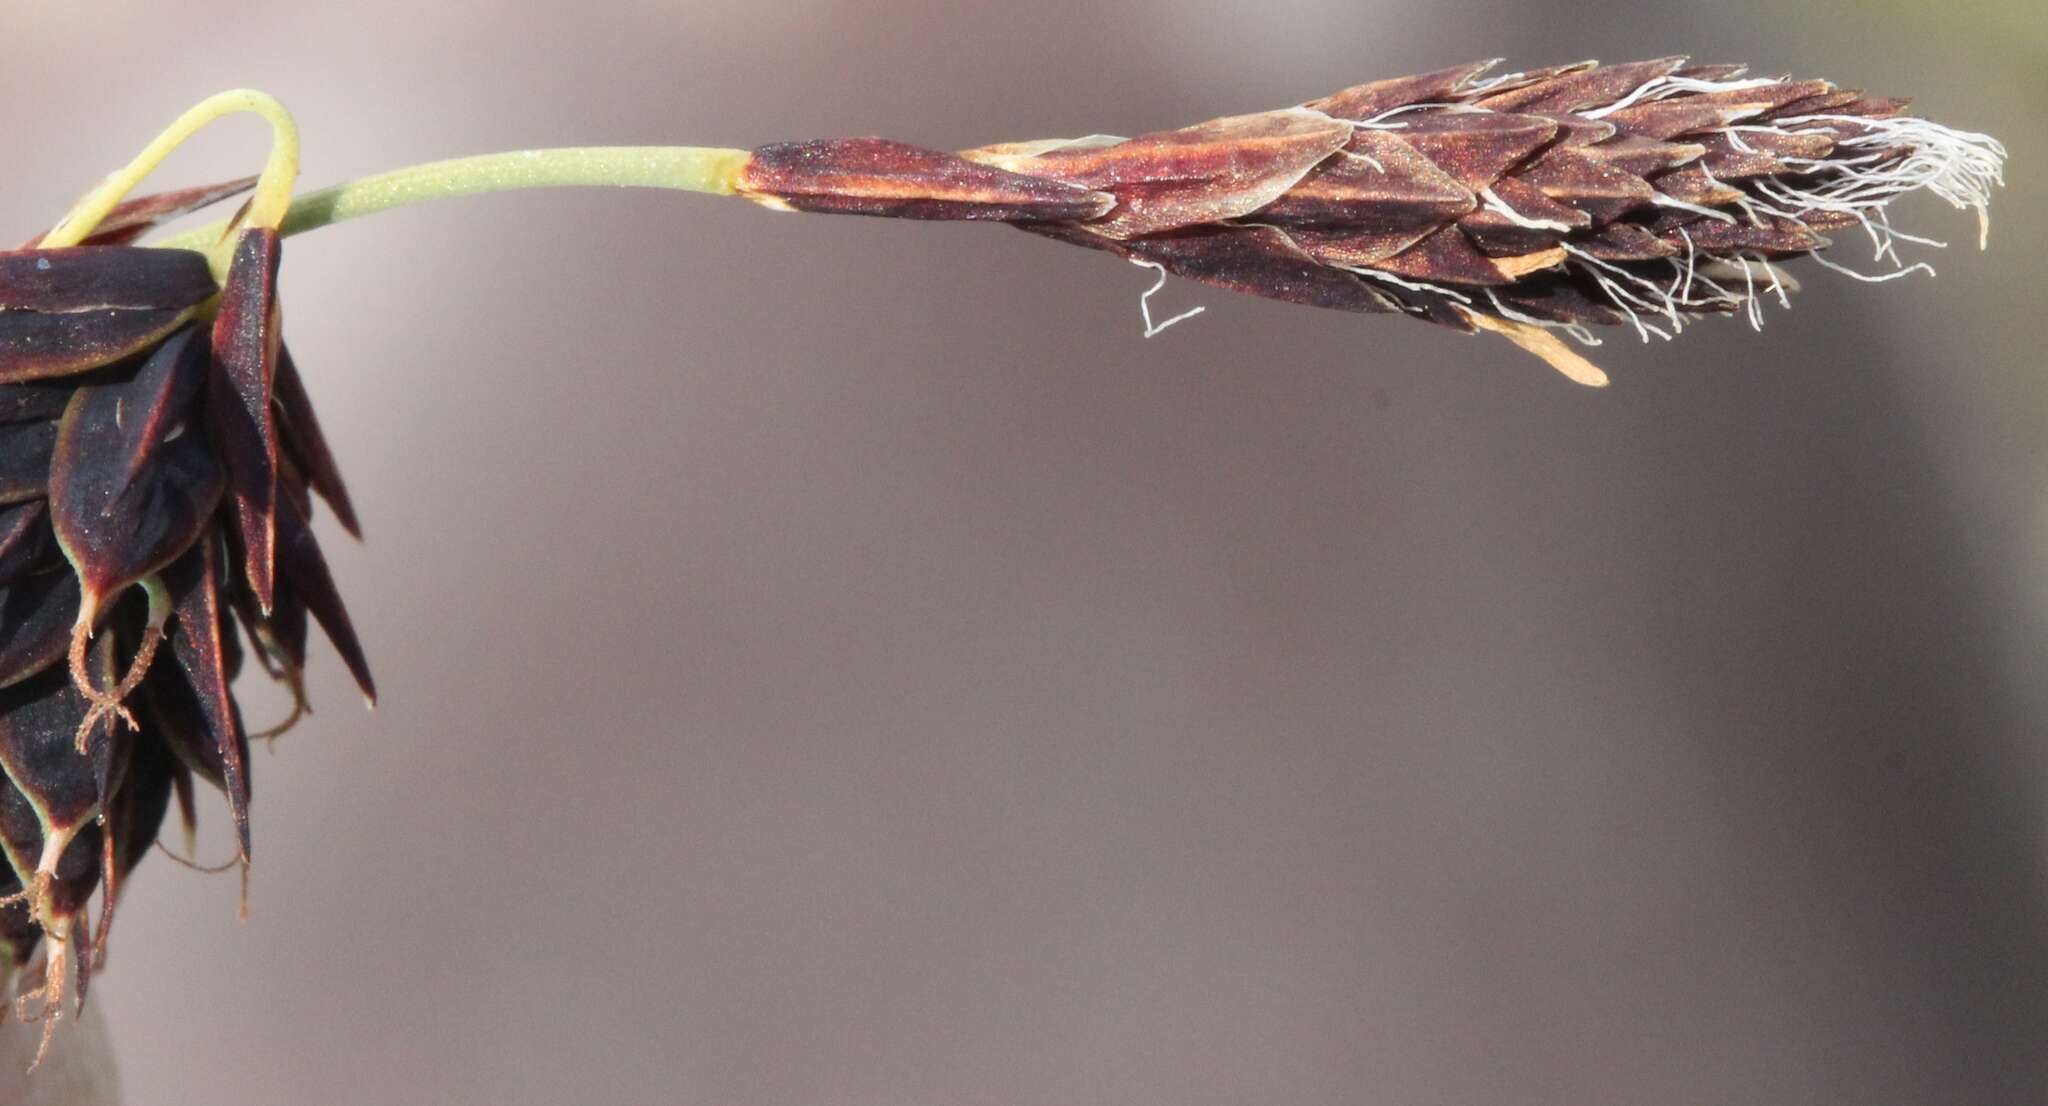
839 661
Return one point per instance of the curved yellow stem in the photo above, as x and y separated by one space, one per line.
273 196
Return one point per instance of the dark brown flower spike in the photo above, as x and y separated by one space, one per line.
158 458
1644 195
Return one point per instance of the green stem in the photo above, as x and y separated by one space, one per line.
689 168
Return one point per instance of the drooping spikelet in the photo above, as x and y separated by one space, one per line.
158 458
1643 195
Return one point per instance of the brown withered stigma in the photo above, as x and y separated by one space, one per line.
158 467
1643 195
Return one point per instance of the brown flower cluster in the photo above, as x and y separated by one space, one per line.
158 462
1645 195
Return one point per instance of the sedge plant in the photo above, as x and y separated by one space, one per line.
161 463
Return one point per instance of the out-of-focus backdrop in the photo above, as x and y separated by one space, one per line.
840 661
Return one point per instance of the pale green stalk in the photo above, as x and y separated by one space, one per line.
686 168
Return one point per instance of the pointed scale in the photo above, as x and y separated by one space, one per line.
1577 177
1536 222
39 721
1375 98
300 435
19 934
1477 148
134 818
245 347
1509 82
85 278
1716 72
1692 184
21 835
188 808
142 803
36 617
302 568
1198 175
67 311
77 877
1584 90
1877 107
26 543
1432 307
34 400
73 904
1771 96
878 176
1668 119
1823 103
37 346
1558 300
1446 257
1577 130
127 493
173 711
1757 153
1259 260
1772 236
197 645
1378 184
1643 157
280 636
74 875
25 449
291 483
1353 247
1626 242
134 218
